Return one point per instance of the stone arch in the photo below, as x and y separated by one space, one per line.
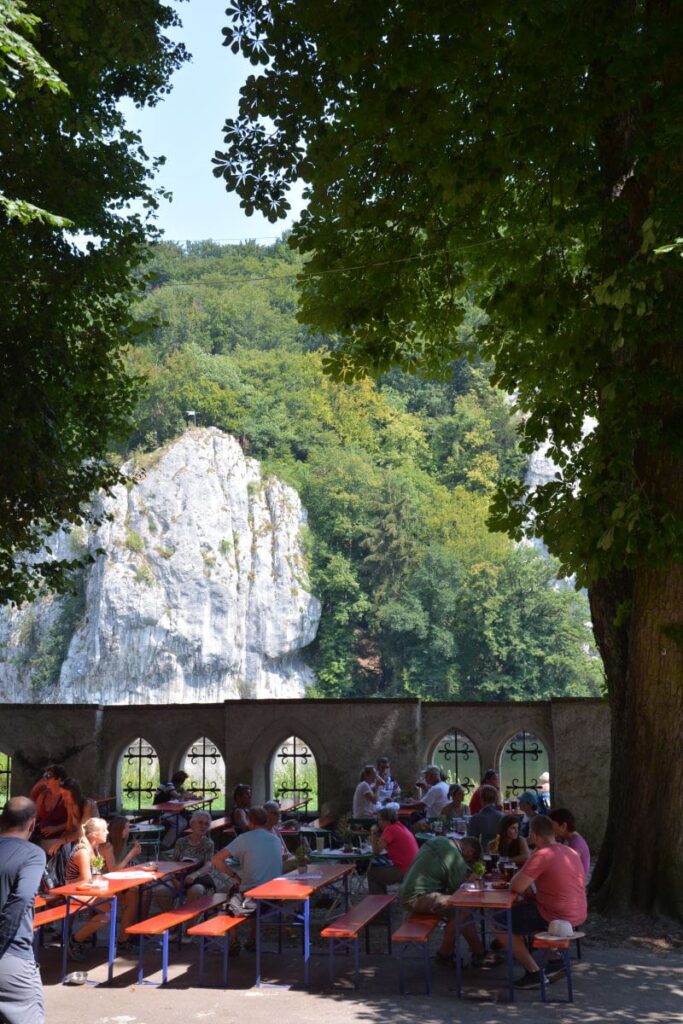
206 767
293 772
521 758
5 777
137 774
467 727
458 755
265 745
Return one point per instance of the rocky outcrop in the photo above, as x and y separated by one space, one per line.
201 594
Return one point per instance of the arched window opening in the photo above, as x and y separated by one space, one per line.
294 773
206 769
457 756
523 762
138 775
5 777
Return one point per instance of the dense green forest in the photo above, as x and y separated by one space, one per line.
418 597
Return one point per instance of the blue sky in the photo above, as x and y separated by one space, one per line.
186 129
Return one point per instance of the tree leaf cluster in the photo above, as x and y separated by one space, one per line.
65 300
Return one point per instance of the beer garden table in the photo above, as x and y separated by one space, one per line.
92 895
296 888
483 899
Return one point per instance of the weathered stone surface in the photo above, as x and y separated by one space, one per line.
201 596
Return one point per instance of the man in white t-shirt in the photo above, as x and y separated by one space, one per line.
433 800
436 796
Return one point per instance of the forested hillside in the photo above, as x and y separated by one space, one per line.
418 598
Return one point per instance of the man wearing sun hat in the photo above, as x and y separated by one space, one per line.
557 873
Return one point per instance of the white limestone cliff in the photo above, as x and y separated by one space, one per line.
201 595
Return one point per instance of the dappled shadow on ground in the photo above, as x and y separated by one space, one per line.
611 985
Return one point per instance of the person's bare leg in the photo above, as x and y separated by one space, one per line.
467 930
519 951
129 915
94 925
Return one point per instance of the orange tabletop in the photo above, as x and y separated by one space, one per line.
136 876
486 899
178 806
291 805
299 887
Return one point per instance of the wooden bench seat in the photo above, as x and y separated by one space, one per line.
50 915
416 930
215 931
562 946
163 924
346 930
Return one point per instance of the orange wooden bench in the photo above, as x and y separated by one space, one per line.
162 925
345 930
50 916
415 931
561 946
215 931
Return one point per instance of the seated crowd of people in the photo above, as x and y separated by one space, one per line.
551 859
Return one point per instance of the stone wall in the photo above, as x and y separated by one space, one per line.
343 735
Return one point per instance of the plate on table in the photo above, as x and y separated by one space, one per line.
500 886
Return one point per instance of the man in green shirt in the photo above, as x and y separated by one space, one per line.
438 870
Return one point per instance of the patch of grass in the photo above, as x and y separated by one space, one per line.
134 540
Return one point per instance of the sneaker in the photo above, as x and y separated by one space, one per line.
530 979
77 950
484 960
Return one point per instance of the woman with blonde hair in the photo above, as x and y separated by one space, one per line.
79 868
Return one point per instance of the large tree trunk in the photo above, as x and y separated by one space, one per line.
638 613
641 862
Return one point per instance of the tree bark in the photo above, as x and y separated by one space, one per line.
641 862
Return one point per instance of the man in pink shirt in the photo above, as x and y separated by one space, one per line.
400 846
557 873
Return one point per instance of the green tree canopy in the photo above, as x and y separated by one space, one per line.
65 312
527 157
395 476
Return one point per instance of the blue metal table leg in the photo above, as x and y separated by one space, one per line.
65 936
356 962
164 957
141 957
258 944
307 941
202 940
511 979
568 969
458 961
428 973
113 907
331 942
